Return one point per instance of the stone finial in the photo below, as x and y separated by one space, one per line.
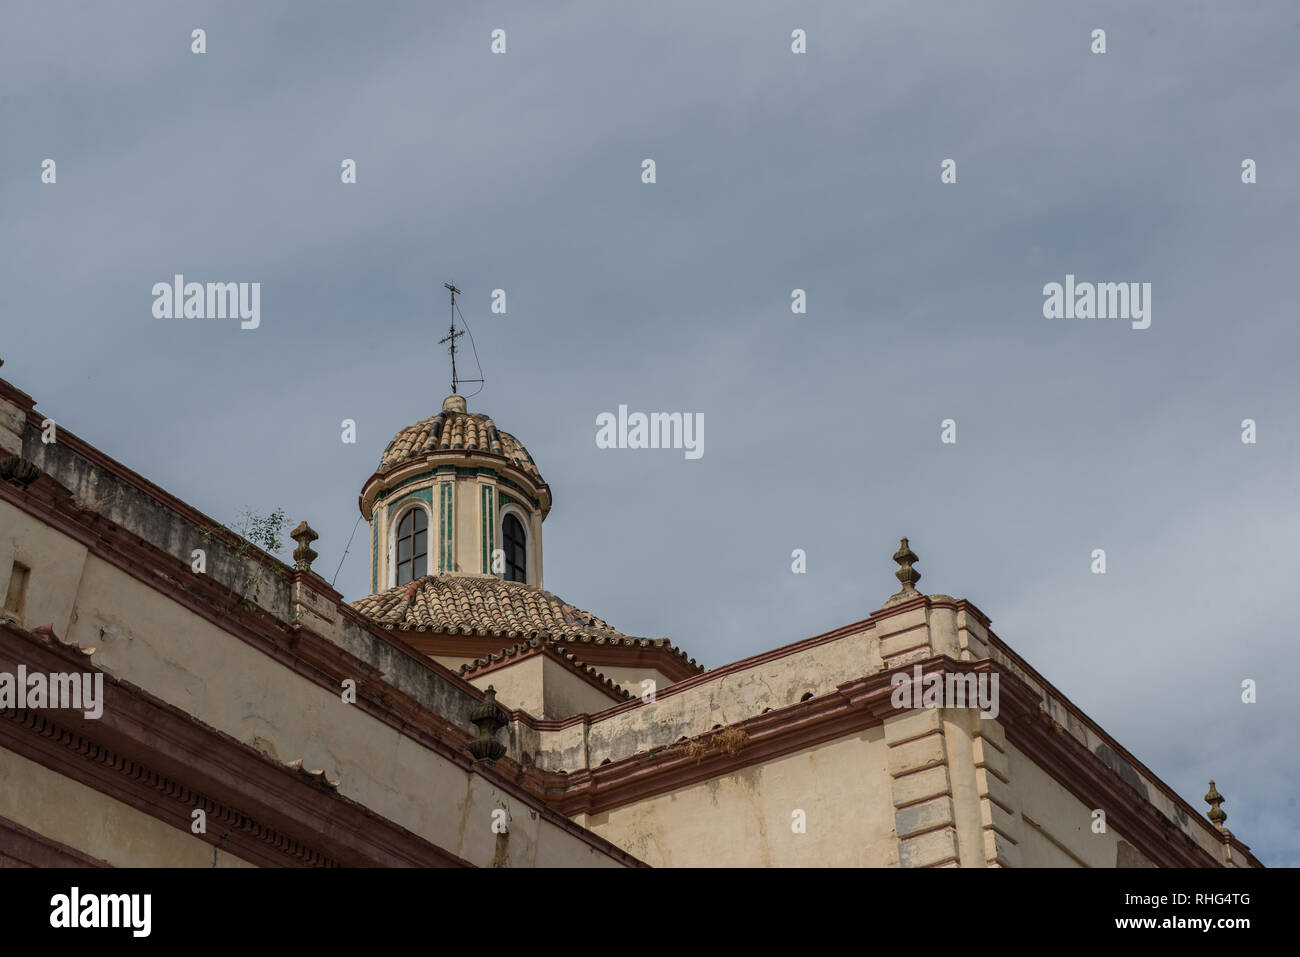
1217 814
303 555
906 574
487 717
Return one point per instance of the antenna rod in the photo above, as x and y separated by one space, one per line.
452 334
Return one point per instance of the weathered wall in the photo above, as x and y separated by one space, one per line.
453 663
1141 782
55 562
162 647
567 694
71 813
725 700
543 688
1057 827
629 679
954 790
175 534
518 684
746 819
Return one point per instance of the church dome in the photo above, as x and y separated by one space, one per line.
454 495
455 429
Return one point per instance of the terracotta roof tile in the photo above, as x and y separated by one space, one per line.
461 605
455 431
488 606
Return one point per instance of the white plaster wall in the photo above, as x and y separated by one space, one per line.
567 694
745 819
71 813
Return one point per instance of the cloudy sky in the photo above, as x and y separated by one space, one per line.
775 171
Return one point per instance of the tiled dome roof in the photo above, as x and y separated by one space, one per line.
455 604
490 607
455 429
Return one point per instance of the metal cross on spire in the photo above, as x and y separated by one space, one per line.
452 335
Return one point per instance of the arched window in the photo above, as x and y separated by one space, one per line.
412 546
515 545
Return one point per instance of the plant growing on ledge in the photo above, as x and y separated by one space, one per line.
730 741
253 530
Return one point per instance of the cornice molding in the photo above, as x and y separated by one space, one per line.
160 760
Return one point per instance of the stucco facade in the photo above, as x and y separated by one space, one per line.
459 719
